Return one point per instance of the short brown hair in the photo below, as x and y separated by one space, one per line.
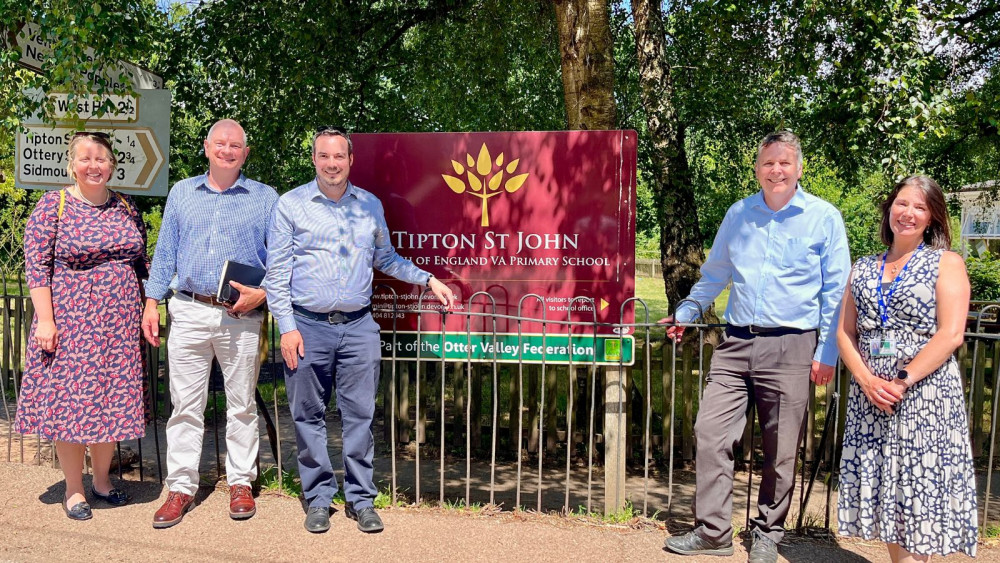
937 235
329 131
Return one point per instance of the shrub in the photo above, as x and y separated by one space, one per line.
984 275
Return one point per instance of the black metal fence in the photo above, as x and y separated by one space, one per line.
544 436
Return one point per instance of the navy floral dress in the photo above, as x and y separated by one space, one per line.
907 478
90 390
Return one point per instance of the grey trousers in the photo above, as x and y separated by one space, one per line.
773 371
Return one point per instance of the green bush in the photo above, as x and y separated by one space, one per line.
984 275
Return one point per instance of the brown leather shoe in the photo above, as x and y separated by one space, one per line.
173 510
241 504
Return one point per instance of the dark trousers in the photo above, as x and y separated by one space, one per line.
773 371
344 357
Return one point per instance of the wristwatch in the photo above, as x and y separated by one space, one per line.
429 278
902 376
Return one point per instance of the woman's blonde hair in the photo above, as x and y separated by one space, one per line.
101 139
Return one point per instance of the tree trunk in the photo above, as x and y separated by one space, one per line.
587 56
680 238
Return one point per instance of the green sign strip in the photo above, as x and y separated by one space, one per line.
509 348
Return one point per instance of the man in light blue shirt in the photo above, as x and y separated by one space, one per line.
784 253
325 237
209 219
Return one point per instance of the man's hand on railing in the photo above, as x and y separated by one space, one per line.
444 294
674 332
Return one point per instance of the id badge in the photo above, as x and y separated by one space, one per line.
883 346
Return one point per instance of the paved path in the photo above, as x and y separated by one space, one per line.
34 528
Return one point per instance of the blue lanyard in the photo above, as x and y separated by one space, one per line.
883 303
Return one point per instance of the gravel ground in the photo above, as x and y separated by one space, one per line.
34 528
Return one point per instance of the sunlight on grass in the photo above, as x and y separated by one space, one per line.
651 291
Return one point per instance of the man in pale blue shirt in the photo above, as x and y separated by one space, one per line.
209 219
784 252
325 237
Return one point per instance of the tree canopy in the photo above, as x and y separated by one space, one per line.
876 90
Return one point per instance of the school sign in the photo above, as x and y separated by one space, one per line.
537 225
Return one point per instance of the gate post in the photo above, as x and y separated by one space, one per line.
615 434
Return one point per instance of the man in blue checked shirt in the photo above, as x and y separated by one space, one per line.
325 238
208 219
784 252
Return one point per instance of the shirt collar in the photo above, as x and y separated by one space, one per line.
314 191
798 200
239 185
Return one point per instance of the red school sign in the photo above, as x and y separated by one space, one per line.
509 214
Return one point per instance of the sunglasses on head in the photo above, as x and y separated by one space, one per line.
98 134
99 137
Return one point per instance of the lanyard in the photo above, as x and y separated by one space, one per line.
883 303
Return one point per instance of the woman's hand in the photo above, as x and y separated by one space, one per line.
46 335
881 393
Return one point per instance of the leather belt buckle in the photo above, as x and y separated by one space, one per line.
206 299
336 317
751 329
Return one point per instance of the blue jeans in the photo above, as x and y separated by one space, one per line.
346 358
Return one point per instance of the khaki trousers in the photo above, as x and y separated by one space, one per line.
198 333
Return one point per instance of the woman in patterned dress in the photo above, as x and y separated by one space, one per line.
85 249
906 475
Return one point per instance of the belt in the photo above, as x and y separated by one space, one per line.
333 317
752 331
206 299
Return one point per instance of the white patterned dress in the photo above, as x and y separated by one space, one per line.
907 478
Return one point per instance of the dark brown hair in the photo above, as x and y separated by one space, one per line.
937 235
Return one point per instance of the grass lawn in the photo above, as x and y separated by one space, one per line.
651 291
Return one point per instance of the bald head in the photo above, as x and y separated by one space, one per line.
227 124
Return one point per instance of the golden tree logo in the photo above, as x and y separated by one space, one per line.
483 181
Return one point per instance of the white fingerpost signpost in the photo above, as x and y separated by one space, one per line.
139 125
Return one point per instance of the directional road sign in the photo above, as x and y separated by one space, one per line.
35 47
140 133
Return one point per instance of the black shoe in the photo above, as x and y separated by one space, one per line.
318 519
693 544
763 549
115 497
368 520
80 511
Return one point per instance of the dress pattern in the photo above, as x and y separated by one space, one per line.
907 478
90 390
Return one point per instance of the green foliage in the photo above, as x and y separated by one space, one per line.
647 245
85 37
382 500
626 514
875 89
153 218
433 65
984 276
289 481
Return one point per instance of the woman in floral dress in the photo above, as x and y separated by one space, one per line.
906 475
85 251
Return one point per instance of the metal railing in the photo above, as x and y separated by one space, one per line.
552 418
